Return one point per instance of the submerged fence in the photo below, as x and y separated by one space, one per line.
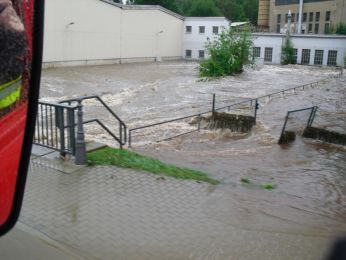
177 127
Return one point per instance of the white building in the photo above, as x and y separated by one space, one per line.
322 50
197 30
102 32
82 32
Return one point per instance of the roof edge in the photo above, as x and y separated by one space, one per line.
144 7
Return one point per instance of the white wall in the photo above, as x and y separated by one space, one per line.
103 33
312 42
195 41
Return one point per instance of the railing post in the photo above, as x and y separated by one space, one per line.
81 156
130 132
121 135
256 108
213 108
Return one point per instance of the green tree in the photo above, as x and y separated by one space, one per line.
202 8
169 4
228 53
288 52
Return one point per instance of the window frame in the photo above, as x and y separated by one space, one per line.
256 50
199 54
186 54
217 30
317 28
306 56
268 52
201 31
318 58
331 59
328 13
186 29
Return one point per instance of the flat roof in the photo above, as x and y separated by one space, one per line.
316 36
144 7
218 18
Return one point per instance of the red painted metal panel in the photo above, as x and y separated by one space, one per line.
12 128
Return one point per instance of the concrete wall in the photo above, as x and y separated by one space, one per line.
80 32
195 41
312 42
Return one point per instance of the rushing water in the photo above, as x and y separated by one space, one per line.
310 176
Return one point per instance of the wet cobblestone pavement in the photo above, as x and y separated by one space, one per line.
112 213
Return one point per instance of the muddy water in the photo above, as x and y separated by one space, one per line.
310 177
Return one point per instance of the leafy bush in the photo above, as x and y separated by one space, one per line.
228 53
288 52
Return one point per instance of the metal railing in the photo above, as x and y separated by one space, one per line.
251 104
55 127
309 122
122 138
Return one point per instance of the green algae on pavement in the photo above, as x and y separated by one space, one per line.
128 159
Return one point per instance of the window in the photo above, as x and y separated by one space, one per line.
268 54
293 16
304 17
318 57
311 17
332 58
201 54
305 56
278 28
278 18
295 55
317 17
202 29
215 30
316 28
256 52
286 18
297 17
327 28
188 53
310 28
188 29
328 16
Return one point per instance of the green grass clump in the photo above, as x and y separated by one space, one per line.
128 159
245 180
269 186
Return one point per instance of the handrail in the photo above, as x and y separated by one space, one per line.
122 126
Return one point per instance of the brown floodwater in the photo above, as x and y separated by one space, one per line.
309 176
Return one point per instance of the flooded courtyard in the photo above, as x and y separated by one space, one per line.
310 176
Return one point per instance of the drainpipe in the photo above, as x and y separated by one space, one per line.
289 17
301 2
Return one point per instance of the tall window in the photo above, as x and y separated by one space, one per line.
215 30
201 54
188 29
310 28
318 57
316 28
268 54
311 17
278 27
317 17
332 55
306 56
297 17
286 18
256 52
328 16
188 53
202 29
293 16
305 15
278 20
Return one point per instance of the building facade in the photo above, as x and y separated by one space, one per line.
320 50
197 31
91 32
317 16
